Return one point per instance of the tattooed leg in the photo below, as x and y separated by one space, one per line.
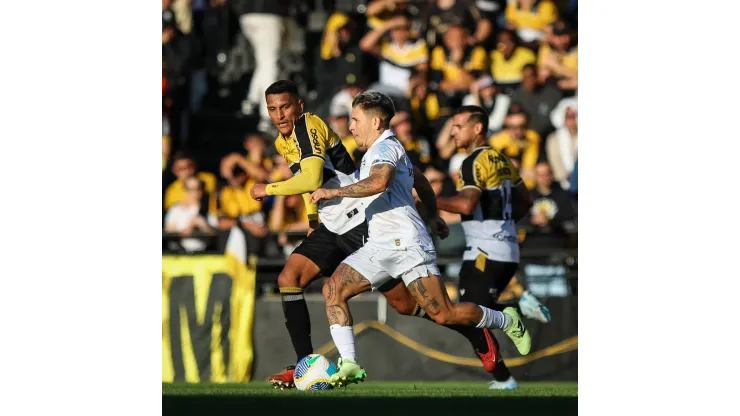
344 284
431 295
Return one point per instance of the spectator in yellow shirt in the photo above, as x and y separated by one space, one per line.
559 59
184 167
530 17
455 64
508 61
519 143
237 207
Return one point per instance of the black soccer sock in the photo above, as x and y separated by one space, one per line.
297 320
475 336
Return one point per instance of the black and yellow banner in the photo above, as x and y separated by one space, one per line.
207 315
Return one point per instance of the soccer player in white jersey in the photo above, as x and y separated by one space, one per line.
398 247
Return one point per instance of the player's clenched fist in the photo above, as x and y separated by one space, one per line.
258 191
439 228
323 193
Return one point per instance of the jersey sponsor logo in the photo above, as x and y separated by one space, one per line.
504 171
496 158
478 174
503 236
353 213
315 140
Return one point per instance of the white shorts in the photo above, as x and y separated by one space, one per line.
379 265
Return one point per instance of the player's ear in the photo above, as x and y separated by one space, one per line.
300 104
478 128
377 123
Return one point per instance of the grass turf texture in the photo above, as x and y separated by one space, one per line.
377 398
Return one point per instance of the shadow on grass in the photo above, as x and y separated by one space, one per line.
377 406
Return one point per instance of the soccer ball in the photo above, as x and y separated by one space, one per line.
313 371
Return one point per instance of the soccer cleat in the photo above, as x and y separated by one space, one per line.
533 309
517 332
349 372
509 384
283 380
490 358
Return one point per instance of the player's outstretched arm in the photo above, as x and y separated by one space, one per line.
462 203
310 179
380 176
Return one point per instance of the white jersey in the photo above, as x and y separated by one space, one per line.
392 218
340 214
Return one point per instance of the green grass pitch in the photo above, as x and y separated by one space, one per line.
376 398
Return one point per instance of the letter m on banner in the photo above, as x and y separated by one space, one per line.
207 314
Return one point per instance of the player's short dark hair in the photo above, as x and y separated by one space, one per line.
533 67
477 115
376 102
283 86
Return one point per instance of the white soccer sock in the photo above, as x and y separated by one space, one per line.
493 319
344 339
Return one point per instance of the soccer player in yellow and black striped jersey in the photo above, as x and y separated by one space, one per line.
491 198
318 159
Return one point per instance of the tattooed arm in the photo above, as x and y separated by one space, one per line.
463 203
380 176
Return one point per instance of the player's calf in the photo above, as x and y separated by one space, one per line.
298 272
430 294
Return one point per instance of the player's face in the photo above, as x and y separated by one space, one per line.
284 110
462 131
361 125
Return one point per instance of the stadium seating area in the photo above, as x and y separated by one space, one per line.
518 59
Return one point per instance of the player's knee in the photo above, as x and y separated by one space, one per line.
442 316
403 306
289 278
326 289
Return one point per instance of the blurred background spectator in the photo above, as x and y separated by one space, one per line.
548 227
508 61
519 143
485 93
530 17
399 53
536 99
518 59
261 22
185 216
562 148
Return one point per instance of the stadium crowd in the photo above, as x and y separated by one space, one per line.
518 59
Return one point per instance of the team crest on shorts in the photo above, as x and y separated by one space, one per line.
398 242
